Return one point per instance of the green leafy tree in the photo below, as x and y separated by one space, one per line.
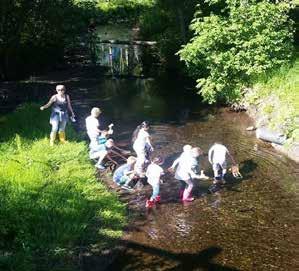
231 48
35 32
167 22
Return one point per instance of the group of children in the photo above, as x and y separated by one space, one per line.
185 168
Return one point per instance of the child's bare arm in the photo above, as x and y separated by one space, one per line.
232 158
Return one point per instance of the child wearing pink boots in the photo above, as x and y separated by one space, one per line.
153 174
185 172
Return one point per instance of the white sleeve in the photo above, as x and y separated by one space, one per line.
87 123
175 163
211 153
147 138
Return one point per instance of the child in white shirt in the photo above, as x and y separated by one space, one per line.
153 174
184 173
217 157
142 146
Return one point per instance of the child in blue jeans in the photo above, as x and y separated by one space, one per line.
125 173
153 174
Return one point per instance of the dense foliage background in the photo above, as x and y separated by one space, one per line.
231 48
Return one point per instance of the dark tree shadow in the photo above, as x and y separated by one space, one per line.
202 260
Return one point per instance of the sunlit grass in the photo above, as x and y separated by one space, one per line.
284 85
51 201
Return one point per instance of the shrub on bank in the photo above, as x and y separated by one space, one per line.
52 205
235 45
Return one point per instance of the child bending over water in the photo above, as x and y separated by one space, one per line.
125 173
186 166
218 158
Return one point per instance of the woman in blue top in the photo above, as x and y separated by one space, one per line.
60 103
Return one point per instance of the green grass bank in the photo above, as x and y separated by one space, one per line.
274 101
277 99
52 205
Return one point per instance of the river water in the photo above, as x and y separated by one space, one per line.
250 224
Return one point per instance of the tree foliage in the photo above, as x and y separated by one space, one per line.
34 33
231 48
167 22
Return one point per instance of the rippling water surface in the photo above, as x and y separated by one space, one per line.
250 224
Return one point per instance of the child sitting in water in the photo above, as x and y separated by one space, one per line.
153 174
125 173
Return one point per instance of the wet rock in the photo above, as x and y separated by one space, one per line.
291 151
272 136
238 107
250 128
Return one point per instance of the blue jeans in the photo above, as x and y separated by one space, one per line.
156 191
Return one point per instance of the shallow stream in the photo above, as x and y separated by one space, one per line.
250 224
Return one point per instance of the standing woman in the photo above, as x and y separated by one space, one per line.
60 103
142 146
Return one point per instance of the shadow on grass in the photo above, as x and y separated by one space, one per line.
49 226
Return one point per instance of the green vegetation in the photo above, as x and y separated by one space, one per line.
234 46
121 10
277 95
167 22
34 34
52 206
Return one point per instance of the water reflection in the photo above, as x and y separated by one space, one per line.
121 59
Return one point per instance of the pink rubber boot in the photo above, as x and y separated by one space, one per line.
187 193
181 192
149 203
157 199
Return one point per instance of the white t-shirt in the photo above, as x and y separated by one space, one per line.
141 140
92 126
184 169
153 174
217 154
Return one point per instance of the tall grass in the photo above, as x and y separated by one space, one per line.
51 204
282 84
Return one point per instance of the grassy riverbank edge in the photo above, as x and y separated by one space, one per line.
273 102
54 210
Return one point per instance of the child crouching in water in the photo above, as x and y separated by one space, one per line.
125 173
153 174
